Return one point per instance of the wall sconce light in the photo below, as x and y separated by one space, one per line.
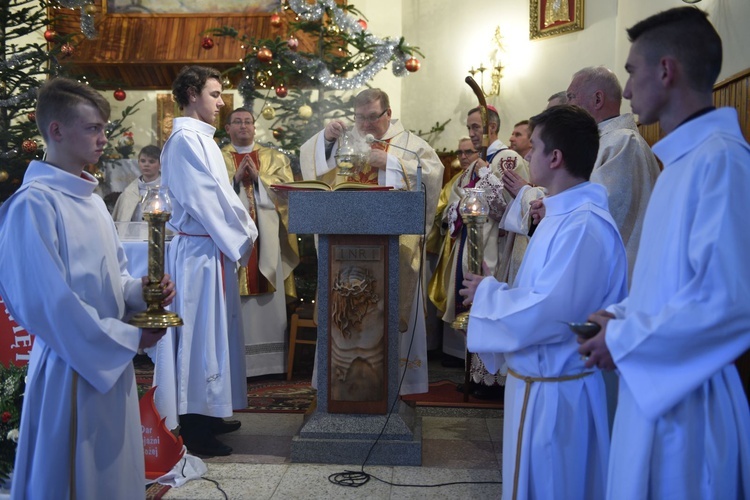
494 68
495 75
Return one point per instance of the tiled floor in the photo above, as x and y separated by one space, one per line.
457 445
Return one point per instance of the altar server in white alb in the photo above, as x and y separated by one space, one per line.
555 435
388 165
64 279
682 427
200 369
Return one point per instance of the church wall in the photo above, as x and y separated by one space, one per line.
454 37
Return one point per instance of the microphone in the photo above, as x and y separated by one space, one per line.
369 139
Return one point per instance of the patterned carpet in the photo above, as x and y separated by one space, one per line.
264 394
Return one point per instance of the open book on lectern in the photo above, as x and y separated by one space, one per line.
316 185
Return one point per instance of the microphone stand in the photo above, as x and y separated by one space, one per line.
369 139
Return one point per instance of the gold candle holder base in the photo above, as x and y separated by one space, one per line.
155 316
156 319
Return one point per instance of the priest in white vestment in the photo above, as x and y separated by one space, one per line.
64 279
555 432
200 368
682 428
388 166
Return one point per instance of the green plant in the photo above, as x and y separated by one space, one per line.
12 386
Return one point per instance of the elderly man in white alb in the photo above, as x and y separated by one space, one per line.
388 166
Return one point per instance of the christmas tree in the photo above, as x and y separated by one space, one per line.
26 61
299 77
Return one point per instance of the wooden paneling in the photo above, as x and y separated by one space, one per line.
734 92
146 51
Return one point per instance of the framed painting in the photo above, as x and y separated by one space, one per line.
167 110
554 17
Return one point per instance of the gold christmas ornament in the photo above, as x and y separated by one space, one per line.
226 83
90 9
261 78
268 112
3 175
305 112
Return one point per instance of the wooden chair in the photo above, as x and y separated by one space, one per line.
302 318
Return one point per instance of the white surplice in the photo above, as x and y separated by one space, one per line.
64 279
574 263
401 173
626 166
682 428
200 367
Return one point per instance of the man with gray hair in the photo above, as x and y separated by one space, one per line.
625 164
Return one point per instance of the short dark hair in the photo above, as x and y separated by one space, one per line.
573 131
522 122
150 151
686 34
58 98
191 77
238 110
492 116
371 95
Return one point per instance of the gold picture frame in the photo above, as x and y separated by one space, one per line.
554 17
167 109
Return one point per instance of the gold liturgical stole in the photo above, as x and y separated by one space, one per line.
252 281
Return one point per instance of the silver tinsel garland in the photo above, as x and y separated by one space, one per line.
87 20
385 49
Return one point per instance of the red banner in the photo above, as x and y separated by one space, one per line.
15 342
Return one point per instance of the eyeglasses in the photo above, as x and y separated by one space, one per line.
466 152
240 122
369 119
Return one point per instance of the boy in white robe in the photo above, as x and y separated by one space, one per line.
200 368
555 434
128 205
64 279
682 427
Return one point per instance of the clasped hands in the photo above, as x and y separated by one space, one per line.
247 172
150 336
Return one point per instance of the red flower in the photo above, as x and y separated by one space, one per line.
5 416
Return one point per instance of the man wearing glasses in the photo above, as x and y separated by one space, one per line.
253 169
387 166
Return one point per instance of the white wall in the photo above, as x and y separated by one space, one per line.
455 37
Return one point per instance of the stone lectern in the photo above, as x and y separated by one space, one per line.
358 370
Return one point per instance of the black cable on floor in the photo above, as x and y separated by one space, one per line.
355 479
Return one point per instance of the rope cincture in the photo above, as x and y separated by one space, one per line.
527 391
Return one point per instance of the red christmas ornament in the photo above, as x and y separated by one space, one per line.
281 91
120 95
412 64
6 416
50 35
292 43
278 133
265 54
67 49
31 116
207 43
29 146
362 23
275 20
